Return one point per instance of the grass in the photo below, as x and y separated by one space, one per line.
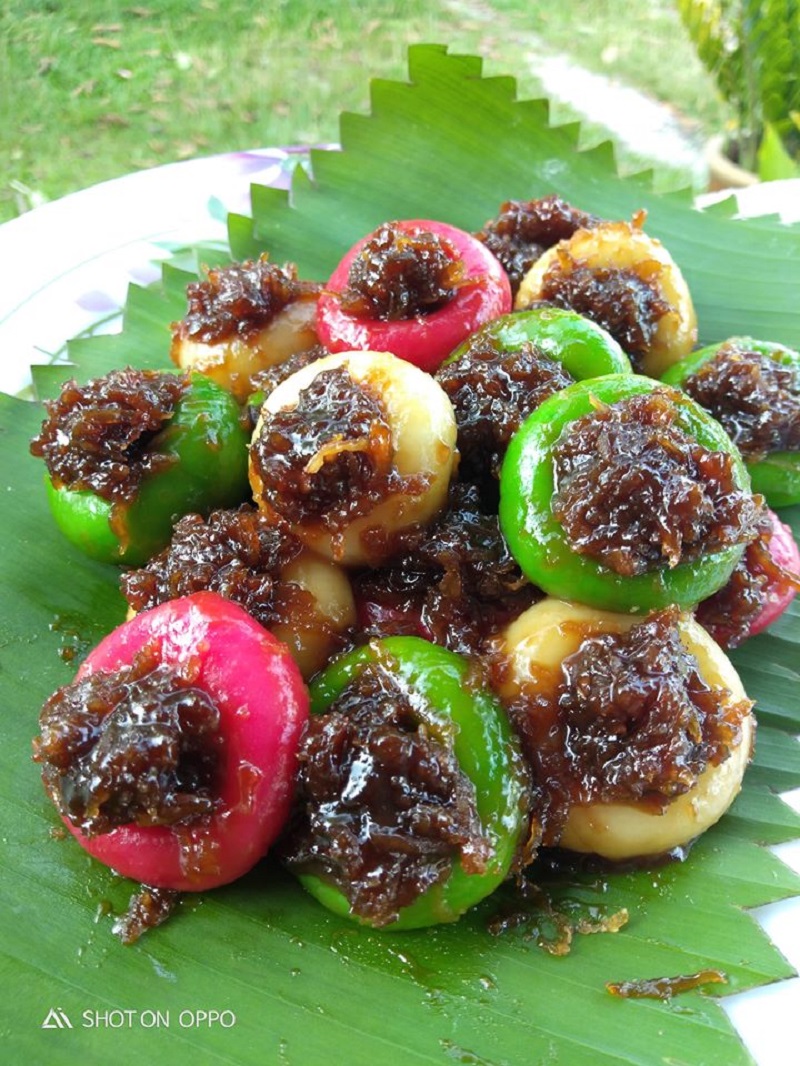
92 89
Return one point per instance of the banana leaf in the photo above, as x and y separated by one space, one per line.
257 972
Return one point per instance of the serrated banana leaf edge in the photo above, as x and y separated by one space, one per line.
298 985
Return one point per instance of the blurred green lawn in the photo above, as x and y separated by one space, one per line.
92 90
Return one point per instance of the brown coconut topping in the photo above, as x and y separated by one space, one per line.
626 304
492 391
140 745
383 808
330 458
148 908
755 397
101 437
453 581
398 275
523 230
640 720
240 299
729 614
238 553
635 493
627 718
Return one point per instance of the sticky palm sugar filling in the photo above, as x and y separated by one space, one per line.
383 808
635 493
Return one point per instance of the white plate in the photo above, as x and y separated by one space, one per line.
769 198
77 256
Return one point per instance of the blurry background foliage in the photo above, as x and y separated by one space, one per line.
92 89
751 48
